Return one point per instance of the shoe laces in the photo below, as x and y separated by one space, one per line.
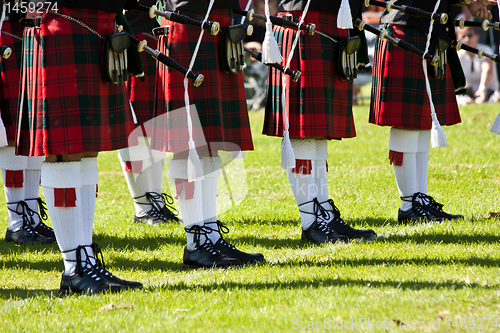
23 209
222 229
197 231
156 214
417 205
322 216
161 204
42 209
99 258
322 226
318 210
427 200
336 212
84 266
419 209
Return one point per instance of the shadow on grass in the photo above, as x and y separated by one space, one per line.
324 283
143 243
381 263
24 294
443 238
10 293
370 222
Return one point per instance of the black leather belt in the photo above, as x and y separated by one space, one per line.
161 31
31 22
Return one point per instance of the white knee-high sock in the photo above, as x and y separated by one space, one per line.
14 195
190 199
32 184
137 185
148 180
14 179
155 174
304 190
90 179
192 211
143 170
422 168
302 179
320 172
61 182
422 160
406 178
211 169
405 142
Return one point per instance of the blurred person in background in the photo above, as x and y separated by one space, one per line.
481 75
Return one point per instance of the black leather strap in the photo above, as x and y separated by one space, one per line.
31 22
291 18
161 31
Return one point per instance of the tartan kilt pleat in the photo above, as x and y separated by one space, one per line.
9 76
399 97
320 104
142 94
220 100
65 106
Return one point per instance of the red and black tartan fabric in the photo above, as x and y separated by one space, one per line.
320 104
399 97
220 100
142 94
9 76
66 108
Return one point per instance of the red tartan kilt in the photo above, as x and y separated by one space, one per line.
66 108
9 77
142 94
320 104
399 97
220 100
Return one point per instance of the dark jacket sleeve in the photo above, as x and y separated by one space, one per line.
363 50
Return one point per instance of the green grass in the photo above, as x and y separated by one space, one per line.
422 273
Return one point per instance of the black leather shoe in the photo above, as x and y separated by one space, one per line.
26 235
161 211
435 208
41 227
339 226
87 278
83 284
231 251
45 230
169 214
106 275
320 233
153 217
89 282
207 256
417 213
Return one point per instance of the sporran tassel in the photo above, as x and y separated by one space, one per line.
287 154
270 49
344 17
195 170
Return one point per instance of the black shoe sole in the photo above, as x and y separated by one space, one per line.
17 242
64 292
